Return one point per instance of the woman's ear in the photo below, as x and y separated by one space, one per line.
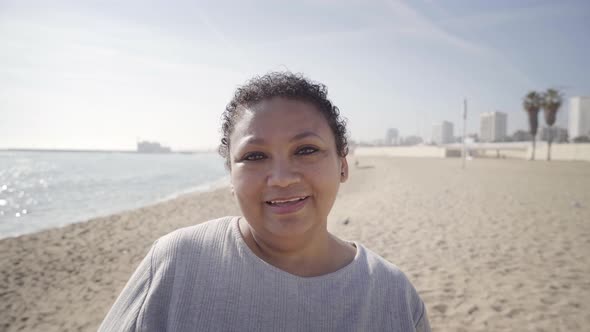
343 170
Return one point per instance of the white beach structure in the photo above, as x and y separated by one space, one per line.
579 117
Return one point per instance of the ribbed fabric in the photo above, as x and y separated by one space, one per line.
205 278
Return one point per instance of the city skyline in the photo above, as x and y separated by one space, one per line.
96 75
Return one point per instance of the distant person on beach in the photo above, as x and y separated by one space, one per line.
276 267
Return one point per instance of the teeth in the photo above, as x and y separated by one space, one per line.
287 201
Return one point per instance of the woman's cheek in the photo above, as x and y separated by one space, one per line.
246 182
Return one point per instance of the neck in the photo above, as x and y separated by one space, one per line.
311 255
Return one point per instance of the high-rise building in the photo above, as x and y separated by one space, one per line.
493 126
392 137
442 133
579 117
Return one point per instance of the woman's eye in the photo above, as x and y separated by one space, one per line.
253 156
306 150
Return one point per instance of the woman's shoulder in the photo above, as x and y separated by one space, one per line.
384 273
380 267
191 239
394 284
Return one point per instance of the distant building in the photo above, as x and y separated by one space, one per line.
579 117
521 136
442 133
152 147
411 140
472 138
559 134
392 137
458 139
493 126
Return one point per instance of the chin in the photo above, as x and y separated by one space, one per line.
288 226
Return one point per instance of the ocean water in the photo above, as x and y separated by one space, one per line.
40 190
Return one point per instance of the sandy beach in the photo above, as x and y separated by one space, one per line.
500 246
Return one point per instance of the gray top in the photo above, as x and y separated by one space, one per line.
206 278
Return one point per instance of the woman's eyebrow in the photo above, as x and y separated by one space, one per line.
252 140
306 134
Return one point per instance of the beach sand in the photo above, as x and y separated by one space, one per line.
500 246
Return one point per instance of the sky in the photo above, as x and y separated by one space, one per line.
102 74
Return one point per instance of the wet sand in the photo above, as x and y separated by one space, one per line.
500 246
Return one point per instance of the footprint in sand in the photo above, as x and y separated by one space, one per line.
514 312
574 304
442 308
497 307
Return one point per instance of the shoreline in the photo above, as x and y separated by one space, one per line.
498 246
203 188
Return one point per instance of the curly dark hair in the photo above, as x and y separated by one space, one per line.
286 85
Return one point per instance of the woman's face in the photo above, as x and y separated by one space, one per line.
285 169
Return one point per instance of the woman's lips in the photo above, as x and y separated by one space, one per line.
286 206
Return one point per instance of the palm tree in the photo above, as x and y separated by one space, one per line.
552 100
532 102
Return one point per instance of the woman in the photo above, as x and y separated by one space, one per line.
276 268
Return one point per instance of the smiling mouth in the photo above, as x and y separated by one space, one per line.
286 202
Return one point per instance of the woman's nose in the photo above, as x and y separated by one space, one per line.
283 174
